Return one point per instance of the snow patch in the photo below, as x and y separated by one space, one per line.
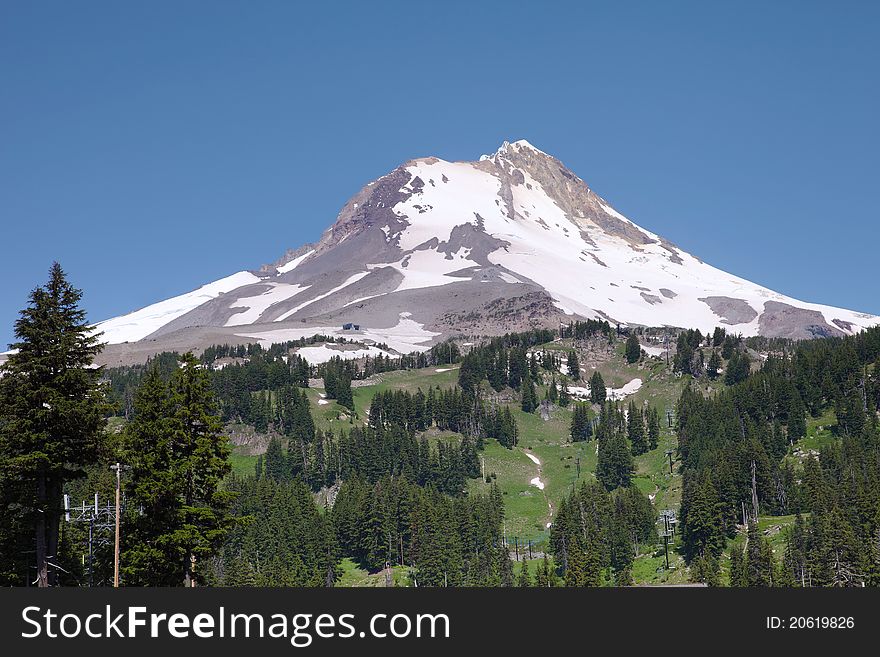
141 323
404 337
293 264
255 306
653 351
614 394
324 353
346 283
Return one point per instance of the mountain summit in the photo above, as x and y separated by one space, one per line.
437 248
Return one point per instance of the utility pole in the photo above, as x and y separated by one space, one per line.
118 469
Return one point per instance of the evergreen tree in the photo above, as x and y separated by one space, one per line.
633 349
581 426
574 367
553 392
653 428
635 429
702 530
275 464
564 394
597 388
524 580
759 558
738 575
529 397
343 391
713 366
624 577
52 409
178 460
615 463
706 569
684 355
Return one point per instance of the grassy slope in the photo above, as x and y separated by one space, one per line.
529 509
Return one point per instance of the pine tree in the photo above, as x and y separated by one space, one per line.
706 569
713 366
553 392
615 467
524 580
574 367
738 575
624 577
343 391
505 567
759 558
52 408
529 397
581 427
635 429
274 464
597 388
178 460
633 349
684 354
653 428
702 530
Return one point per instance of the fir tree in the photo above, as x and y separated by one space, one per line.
343 391
52 409
564 394
635 429
738 575
529 397
553 392
574 367
597 388
581 426
633 349
759 558
615 463
274 462
178 460
653 428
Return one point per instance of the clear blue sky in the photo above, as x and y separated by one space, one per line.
152 147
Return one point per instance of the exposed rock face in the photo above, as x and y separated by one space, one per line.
731 311
787 321
511 241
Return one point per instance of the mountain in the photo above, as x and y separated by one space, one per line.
437 248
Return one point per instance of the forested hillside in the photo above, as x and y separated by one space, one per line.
590 455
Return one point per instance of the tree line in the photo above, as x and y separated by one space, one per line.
738 462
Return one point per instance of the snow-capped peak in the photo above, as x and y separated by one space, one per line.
515 146
510 242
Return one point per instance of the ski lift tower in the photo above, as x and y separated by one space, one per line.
667 516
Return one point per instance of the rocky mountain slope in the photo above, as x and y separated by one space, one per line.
436 248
